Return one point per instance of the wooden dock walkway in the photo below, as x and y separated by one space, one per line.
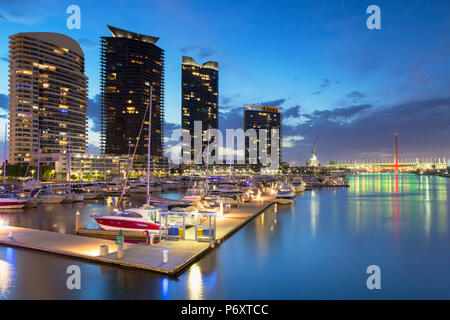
182 253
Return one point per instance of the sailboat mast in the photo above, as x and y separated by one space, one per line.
4 155
207 160
70 162
39 153
148 144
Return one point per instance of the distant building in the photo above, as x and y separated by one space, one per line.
91 165
130 64
261 117
199 96
47 93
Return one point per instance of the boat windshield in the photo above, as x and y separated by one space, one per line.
129 214
285 191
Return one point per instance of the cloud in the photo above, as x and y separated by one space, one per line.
25 12
290 141
360 130
202 52
3 102
292 112
325 84
338 114
88 44
94 107
93 149
273 103
355 96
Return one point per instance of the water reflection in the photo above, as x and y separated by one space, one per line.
195 284
314 211
323 245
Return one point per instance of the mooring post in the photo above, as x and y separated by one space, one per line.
104 250
152 236
77 220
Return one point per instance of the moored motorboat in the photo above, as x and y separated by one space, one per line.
46 196
12 201
298 184
285 195
135 219
193 195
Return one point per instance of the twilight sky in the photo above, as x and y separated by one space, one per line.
333 78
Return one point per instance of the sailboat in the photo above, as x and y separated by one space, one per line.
136 219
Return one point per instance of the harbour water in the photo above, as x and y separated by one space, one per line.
318 248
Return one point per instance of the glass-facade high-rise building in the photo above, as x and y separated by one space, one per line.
261 117
130 64
200 91
47 94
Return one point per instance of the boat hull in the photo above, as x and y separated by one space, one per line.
129 225
16 204
51 199
284 200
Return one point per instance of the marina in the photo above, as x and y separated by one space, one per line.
141 256
323 238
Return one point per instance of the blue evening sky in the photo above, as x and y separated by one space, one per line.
315 59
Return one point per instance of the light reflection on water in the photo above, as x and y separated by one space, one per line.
318 248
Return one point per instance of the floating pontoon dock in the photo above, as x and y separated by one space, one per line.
181 253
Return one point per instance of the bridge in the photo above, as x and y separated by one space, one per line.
395 165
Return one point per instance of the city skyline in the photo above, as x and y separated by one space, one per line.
331 76
132 70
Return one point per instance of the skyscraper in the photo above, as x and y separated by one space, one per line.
261 117
130 64
47 93
199 96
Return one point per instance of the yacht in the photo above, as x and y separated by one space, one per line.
46 196
84 194
130 220
12 201
298 184
285 195
72 197
138 187
193 195
146 218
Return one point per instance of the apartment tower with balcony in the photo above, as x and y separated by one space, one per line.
47 94
131 64
199 101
